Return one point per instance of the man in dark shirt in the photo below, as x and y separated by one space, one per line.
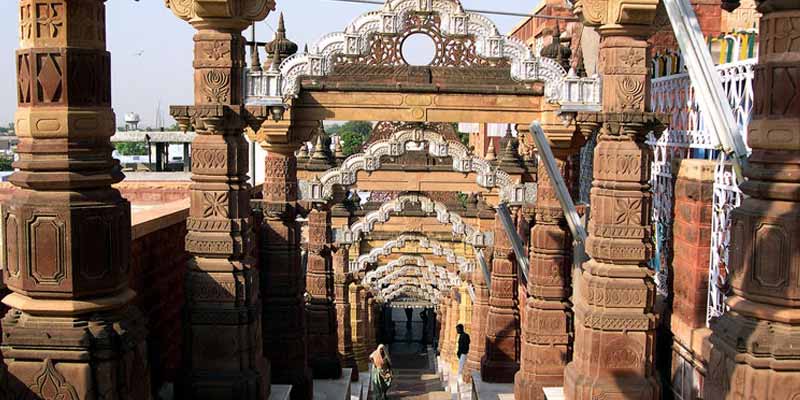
463 348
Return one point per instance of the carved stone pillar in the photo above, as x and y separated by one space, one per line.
320 310
615 324
501 358
478 324
70 331
441 320
357 323
283 282
546 336
341 257
369 322
755 351
453 314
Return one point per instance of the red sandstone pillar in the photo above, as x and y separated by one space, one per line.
755 352
501 359
222 349
283 282
341 258
479 310
691 233
546 336
70 331
614 297
320 310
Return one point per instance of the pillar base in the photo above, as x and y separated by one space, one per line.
753 359
325 366
610 385
75 357
498 371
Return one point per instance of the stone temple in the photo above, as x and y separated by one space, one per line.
606 199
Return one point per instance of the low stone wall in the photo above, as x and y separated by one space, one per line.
137 192
158 266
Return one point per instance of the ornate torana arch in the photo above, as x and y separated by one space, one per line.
436 247
462 39
423 292
366 225
488 175
385 271
437 274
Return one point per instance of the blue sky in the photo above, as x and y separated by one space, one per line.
163 71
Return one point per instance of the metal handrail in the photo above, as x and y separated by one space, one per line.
517 243
706 81
487 276
574 221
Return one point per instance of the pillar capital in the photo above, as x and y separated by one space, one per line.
235 15
616 14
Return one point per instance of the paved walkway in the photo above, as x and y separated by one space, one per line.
414 377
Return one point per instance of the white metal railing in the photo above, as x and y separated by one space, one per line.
689 137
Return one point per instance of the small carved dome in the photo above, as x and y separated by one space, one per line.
557 51
281 44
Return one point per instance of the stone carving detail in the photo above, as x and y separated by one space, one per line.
50 384
462 40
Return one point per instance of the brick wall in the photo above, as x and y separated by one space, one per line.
709 15
158 266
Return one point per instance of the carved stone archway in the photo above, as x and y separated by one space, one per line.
435 246
488 176
367 224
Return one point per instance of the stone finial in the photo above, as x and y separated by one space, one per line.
490 152
339 152
280 48
319 150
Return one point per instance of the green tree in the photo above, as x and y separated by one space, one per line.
353 135
131 148
5 163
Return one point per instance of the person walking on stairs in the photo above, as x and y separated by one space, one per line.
381 378
462 350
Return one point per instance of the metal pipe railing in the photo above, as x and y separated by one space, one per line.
487 276
517 244
574 221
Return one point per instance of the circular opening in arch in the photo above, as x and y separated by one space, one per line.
419 49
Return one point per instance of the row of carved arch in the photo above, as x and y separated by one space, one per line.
454 21
436 247
488 176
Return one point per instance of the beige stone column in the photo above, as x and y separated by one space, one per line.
369 322
222 349
615 324
70 332
547 326
323 356
357 323
344 332
478 323
501 358
756 354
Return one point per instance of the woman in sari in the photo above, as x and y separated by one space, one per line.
381 377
